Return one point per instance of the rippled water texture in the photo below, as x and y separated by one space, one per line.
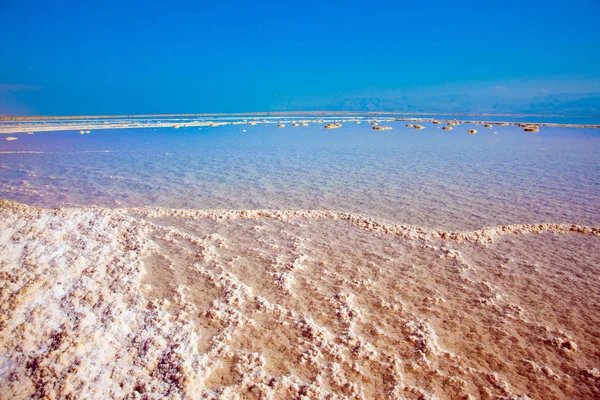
429 178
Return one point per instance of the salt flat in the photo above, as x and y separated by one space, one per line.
251 261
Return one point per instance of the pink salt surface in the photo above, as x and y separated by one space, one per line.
152 303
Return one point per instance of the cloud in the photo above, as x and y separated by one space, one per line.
18 87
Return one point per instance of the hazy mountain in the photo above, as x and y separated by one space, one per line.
566 104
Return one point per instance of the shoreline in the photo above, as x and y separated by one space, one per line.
405 231
268 113
38 125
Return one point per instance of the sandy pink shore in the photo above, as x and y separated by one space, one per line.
134 303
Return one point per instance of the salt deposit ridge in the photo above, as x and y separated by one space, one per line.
84 124
153 302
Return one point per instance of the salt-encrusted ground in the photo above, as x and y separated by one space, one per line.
152 303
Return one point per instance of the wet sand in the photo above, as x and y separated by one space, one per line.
152 302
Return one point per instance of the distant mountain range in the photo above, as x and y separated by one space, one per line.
583 104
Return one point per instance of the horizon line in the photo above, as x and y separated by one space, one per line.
254 113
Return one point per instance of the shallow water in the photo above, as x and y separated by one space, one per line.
430 178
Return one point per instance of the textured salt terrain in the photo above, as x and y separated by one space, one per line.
146 303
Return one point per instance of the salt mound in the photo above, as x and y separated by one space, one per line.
332 126
531 128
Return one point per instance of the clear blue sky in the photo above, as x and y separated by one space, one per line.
76 57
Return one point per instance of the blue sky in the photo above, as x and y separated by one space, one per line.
225 56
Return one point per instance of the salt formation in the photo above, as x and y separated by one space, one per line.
190 304
85 124
531 128
332 126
